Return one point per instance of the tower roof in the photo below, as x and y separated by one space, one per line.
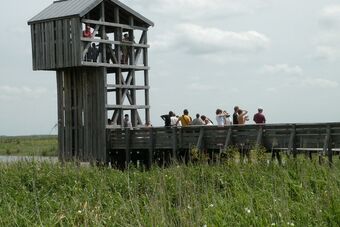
69 8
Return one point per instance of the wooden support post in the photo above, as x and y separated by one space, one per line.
327 147
228 138
151 148
103 31
199 144
174 144
291 145
146 79
131 51
127 147
259 136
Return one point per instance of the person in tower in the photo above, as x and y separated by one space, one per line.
87 32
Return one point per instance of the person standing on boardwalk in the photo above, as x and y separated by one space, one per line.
221 117
197 120
242 116
259 117
185 119
174 120
167 119
206 120
235 115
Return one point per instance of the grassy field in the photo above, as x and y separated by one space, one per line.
29 145
299 193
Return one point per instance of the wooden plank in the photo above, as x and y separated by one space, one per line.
53 44
33 34
43 40
66 40
38 46
59 44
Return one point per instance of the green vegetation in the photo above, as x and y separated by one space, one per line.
299 193
29 145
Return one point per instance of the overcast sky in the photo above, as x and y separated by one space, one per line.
205 54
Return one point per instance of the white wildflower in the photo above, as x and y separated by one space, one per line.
79 212
211 205
273 224
247 210
189 207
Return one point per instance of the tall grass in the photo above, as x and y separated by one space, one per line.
29 145
299 193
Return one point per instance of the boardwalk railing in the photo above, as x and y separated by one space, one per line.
150 144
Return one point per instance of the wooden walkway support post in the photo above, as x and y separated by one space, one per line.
151 149
327 147
174 144
292 145
199 144
127 147
228 138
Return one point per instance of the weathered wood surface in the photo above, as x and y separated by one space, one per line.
323 138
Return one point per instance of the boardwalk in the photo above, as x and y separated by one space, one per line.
149 144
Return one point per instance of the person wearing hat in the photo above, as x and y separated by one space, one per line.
259 118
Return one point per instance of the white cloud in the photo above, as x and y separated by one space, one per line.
195 39
200 87
326 53
327 45
330 16
282 69
20 92
320 82
198 9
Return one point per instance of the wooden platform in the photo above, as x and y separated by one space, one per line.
148 145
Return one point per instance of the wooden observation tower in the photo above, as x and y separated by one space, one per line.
99 50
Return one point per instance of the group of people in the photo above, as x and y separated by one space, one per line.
94 50
223 118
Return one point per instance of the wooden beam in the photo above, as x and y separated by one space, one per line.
136 87
126 107
95 64
106 41
114 25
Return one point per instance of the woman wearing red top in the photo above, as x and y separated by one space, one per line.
87 33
